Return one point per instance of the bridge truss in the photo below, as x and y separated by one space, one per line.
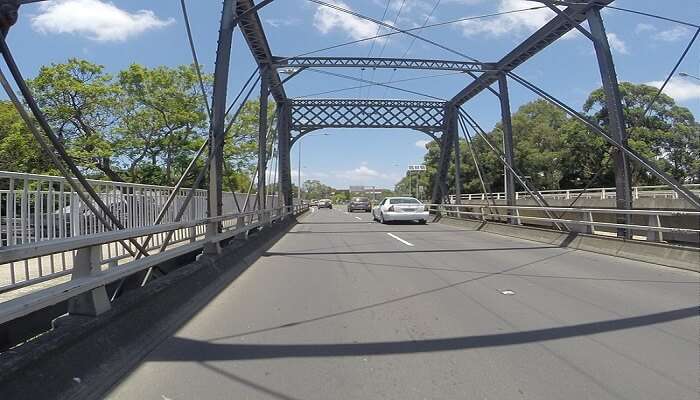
313 114
431 117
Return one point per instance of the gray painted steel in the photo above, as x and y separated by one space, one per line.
338 309
373 62
262 136
254 35
311 114
616 126
217 131
548 34
508 147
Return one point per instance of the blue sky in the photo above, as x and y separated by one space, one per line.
121 32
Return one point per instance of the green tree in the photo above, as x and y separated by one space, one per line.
314 189
667 134
19 151
79 99
163 121
241 145
558 152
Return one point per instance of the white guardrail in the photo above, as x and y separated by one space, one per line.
638 192
586 219
95 260
42 207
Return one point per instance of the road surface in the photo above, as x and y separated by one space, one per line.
344 308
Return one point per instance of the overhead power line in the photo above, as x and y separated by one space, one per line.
435 25
372 84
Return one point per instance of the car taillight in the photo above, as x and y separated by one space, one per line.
391 209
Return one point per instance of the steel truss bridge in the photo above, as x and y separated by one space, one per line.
145 233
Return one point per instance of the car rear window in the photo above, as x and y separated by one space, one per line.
404 200
360 199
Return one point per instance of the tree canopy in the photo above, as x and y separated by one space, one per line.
138 125
558 152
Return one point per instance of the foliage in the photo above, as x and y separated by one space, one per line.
19 151
555 151
139 125
315 190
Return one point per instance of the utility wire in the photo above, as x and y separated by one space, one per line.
375 83
374 42
673 72
413 40
194 56
404 31
372 84
396 18
437 24
653 16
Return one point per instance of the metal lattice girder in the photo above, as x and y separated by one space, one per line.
391 63
548 34
252 30
339 113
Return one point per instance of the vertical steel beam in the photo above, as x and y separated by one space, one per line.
616 125
507 126
284 119
446 142
454 130
262 138
217 131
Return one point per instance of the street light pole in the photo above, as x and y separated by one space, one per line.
299 175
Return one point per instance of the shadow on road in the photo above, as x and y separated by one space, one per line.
183 349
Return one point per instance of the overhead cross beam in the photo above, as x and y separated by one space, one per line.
389 63
425 116
548 34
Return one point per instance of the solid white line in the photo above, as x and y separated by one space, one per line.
399 239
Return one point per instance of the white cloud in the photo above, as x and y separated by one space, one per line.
526 21
366 176
641 28
422 143
282 22
327 19
674 34
98 20
679 89
617 44
669 35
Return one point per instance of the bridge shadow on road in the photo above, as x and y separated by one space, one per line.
183 349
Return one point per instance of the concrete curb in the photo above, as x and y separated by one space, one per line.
669 255
99 351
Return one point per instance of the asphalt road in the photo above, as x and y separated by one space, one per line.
344 308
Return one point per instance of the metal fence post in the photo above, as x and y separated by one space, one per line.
240 223
95 302
655 236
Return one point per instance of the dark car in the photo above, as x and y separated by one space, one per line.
359 203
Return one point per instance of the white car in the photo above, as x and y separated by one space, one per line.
400 209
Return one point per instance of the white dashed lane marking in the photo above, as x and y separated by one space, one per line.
400 240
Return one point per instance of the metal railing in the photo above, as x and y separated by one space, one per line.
93 261
34 208
638 192
583 220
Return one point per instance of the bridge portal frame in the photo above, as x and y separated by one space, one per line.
244 14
